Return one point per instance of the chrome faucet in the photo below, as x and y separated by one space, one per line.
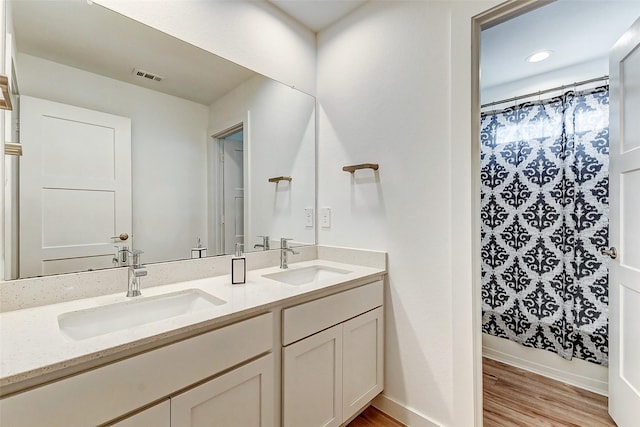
136 270
284 252
264 245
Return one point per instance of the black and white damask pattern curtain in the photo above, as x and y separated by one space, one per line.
545 184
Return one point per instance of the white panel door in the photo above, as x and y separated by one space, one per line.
75 187
312 380
156 416
240 398
624 273
233 194
362 361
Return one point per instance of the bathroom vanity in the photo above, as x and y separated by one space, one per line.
301 346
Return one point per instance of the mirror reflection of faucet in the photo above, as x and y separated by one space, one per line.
121 257
264 245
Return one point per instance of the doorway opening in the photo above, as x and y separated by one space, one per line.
502 90
229 221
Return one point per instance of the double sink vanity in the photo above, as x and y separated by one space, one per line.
300 346
294 347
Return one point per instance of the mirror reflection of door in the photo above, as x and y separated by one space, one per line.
75 187
232 187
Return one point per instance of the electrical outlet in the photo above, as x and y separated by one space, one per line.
325 217
308 217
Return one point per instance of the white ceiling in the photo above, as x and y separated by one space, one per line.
576 31
317 14
94 39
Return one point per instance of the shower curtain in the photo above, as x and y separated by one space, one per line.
544 220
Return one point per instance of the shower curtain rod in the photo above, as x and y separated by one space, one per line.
540 92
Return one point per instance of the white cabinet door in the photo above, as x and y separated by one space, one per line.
156 416
362 361
312 380
240 398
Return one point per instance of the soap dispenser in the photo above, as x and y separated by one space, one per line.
238 267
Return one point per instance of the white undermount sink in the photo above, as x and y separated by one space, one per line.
92 322
306 275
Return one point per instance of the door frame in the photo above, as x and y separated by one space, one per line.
485 20
216 179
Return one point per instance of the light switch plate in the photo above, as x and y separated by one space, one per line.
325 217
308 217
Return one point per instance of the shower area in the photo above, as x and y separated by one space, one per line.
544 178
544 199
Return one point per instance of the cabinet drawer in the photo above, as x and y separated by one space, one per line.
308 318
102 394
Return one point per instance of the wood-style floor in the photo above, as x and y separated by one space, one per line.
514 397
371 417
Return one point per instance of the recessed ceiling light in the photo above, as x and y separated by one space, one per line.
539 56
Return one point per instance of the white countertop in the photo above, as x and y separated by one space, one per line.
32 346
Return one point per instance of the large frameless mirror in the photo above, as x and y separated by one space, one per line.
132 138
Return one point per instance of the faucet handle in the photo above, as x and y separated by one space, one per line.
136 257
283 242
131 251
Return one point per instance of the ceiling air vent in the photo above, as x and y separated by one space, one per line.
146 75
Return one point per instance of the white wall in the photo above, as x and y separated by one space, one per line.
280 141
254 34
168 148
394 85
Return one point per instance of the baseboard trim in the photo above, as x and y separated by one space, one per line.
590 384
401 413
